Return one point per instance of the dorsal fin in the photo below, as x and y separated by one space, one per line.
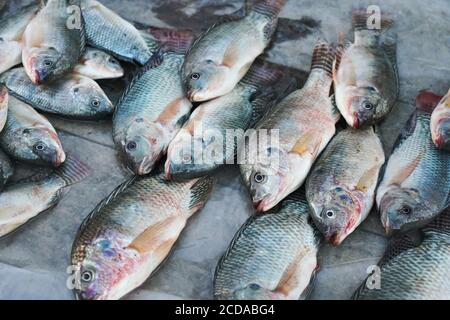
170 40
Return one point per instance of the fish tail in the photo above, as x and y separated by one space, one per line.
365 19
323 57
269 8
178 41
263 74
427 101
72 171
200 192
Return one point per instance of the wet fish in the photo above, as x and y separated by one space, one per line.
298 130
272 257
221 57
415 272
4 99
24 200
108 31
53 41
30 137
153 108
416 183
11 31
6 169
202 145
440 123
96 64
130 233
73 96
341 187
365 73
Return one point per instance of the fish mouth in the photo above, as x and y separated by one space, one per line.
36 77
145 167
356 123
192 95
442 142
59 159
335 239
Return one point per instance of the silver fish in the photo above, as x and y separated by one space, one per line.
97 64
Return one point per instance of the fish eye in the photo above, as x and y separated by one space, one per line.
39 146
131 146
259 177
406 210
367 105
87 276
330 214
254 286
48 63
187 158
95 103
113 61
195 76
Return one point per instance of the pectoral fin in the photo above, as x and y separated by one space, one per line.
308 143
368 179
405 172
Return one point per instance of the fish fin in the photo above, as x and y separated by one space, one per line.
390 48
262 74
200 192
160 236
427 101
323 57
339 52
72 171
406 132
270 8
309 289
336 112
361 19
308 143
368 179
405 172
178 41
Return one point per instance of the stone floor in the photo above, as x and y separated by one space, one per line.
33 260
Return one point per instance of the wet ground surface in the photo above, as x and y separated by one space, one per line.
33 260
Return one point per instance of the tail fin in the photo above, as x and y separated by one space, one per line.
200 192
323 57
269 8
178 41
262 74
365 20
427 101
72 171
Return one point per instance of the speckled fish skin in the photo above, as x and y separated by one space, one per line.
129 234
305 121
73 96
416 183
410 272
238 110
11 31
150 114
4 99
272 257
6 169
109 32
440 124
51 45
97 64
30 137
221 57
365 73
24 200
341 187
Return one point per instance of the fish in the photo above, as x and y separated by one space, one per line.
410 271
6 169
30 137
27 198
53 41
440 123
73 96
11 31
365 72
96 64
292 136
128 235
153 107
272 256
107 31
223 54
4 99
341 187
416 183
203 140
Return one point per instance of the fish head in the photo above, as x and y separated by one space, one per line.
205 80
363 106
45 64
101 65
338 215
402 209
442 136
251 291
143 145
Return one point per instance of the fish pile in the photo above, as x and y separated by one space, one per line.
311 177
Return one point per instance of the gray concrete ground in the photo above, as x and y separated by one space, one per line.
33 260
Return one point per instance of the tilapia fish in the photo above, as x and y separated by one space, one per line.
273 256
53 41
440 123
415 272
221 57
202 145
24 200
73 96
97 64
416 183
341 187
152 110
130 233
298 130
4 99
108 31
6 169
30 137
11 31
365 72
